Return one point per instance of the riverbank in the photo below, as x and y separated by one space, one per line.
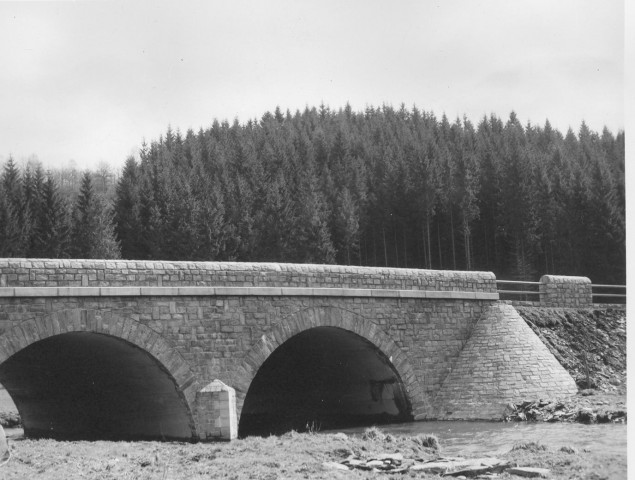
588 406
293 455
591 345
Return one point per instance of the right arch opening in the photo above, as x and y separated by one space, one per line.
323 378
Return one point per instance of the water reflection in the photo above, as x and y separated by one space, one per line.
498 437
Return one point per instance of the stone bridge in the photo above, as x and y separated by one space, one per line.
135 349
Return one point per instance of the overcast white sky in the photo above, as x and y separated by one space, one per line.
89 81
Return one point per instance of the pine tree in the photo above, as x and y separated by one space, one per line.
9 227
127 212
103 241
84 222
93 234
12 231
51 239
348 225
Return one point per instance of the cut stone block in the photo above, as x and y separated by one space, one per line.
215 410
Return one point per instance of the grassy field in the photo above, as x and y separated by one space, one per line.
289 456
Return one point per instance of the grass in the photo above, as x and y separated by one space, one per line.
293 455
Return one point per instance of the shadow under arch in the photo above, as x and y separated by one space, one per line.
333 340
93 374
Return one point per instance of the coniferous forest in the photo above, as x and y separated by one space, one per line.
383 187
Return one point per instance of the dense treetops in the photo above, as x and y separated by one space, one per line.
382 187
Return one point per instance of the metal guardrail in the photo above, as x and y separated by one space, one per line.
519 292
600 296
532 291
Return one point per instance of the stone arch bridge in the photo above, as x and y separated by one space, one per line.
132 349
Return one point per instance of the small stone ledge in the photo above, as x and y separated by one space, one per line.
45 292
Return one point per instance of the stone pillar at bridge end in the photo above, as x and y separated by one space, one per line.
565 292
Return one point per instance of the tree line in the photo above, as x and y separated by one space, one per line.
382 187
54 214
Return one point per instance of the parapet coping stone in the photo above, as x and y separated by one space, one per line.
560 279
232 266
131 291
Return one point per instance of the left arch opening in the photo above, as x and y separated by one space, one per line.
86 385
324 377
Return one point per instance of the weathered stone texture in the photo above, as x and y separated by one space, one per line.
503 361
216 336
215 412
104 273
199 337
566 292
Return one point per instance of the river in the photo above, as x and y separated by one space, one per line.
458 437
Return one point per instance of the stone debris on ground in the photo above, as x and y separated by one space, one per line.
459 468
561 411
529 472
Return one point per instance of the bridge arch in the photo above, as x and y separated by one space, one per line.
125 363
334 324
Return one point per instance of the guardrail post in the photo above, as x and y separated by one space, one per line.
562 291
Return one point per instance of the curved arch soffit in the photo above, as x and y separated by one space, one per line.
313 317
108 322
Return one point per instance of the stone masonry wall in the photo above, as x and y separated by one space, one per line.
104 273
565 292
503 361
215 412
214 335
225 336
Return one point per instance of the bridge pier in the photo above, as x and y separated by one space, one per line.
215 412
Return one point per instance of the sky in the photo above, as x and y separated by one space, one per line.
88 81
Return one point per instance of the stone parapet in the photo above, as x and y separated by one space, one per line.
562 291
123 273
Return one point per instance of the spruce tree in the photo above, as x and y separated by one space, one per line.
127 212
93 234
51 239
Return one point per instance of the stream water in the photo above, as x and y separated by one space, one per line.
496 437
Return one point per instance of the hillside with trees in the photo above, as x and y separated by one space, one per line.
55 214
383 187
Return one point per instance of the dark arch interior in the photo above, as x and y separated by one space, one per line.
323 378
84 385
